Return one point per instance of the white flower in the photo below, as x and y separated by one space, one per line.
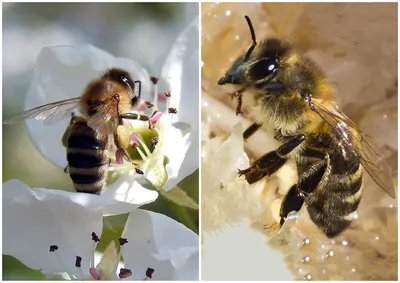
62 72
235 247
58 233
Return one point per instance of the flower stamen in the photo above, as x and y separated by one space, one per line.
149 273
122 241
95 240
167 94
172 110
78 262
54 249
142 155
154 141
146 149
134 139
149 104
124 273
139 171
154 80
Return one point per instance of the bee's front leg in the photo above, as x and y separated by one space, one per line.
238 94
271 162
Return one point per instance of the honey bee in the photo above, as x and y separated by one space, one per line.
329 150
104 105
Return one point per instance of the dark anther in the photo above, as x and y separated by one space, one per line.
94 237
139 171
154 141
149 272
124 273
78 261
172 110
53 248
149 104
167 93
123 241
153 79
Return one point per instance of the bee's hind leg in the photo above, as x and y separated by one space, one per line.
294 199
271 162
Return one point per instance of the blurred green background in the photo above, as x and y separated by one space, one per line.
144 32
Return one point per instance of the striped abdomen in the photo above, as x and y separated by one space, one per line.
88 158
334 202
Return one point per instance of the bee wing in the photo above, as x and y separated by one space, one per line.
370 157
48 113
105 119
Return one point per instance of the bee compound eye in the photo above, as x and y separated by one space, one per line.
264 69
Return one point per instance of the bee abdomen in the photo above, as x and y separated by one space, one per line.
93 188
82 141
334 208
86 158
88 162
89 180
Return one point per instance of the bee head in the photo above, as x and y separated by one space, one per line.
256 68
124 79
272 68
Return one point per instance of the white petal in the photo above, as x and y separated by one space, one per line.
181 72
183 158
162 244
129 192
63 72
32 223
105 203
190 269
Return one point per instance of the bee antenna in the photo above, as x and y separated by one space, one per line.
253 37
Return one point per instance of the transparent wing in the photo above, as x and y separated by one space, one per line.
105 119
370 157
48 113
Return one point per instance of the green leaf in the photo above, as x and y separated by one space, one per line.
179 196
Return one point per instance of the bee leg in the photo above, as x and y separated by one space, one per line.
239 106
291 202
135 116
294 199
66 169
251 130
271 162
238 95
